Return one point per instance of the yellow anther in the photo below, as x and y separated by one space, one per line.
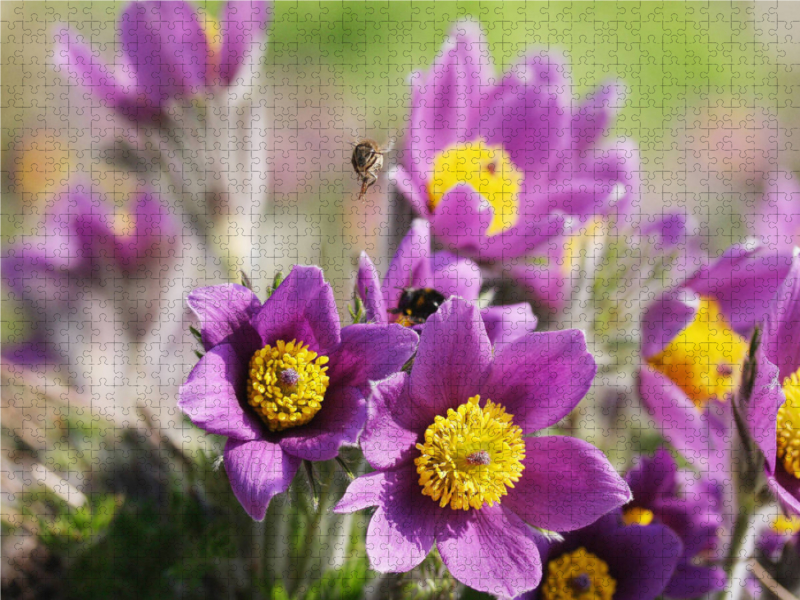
637 516
578 575
789 425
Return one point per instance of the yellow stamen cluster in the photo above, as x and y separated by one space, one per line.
789 425
471 456
705 359
786 525
637 516
578 575
489 170
286 384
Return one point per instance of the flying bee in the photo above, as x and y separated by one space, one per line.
416 305
367 160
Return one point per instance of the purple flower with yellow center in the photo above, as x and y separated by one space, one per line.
609 560
495 167
417 283
690 505
693 345
169 51
454 466
283 380
772 413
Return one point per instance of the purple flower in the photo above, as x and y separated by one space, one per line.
452 465
772 413
690 505
169 51
495 167
283 380
609 560
777 217
693 348
445 273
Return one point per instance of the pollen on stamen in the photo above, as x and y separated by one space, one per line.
788 426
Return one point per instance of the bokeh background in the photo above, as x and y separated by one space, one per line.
94 510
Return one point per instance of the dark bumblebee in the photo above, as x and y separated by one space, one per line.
367 160
417 304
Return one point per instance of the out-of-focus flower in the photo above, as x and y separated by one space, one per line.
609 560
496 167
446 275
777 216
169 51
772 412
283 380
777 553
693 346
690 505
452 465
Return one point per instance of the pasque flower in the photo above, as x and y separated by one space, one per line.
496 167
609 560
169 51
283 380
690 505
772 412
446 274
453 466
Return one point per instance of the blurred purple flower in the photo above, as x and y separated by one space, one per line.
283 380
772 413
453 468
609 560
496 167
414 267
777 216
169 51
690 505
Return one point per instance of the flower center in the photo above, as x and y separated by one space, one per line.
578 575
789 425
489 170
470 457
286 384
637 516
705 359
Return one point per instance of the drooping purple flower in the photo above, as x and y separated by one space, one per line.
496 167
772 413
452 465
169 51
609 560
283 380
693 346
691 506
444 273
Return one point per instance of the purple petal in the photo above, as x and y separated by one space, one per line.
547 283
454 276
223 310
777 221
453 355
411 265
368 284
760 413
389 437
652 477
302 308
244 29
490 550
689 581
595 115
786 488
541 377
665 318
210 396
566 484
363 492
370 353
338 422
782 333
505 324
462 218
412 189
257 471
533 229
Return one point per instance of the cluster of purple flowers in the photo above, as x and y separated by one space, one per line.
452 401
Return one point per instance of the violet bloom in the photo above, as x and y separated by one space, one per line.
169 51
690 505
283 380
609 561
495 167
446 275
772 413
452 465
693 346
